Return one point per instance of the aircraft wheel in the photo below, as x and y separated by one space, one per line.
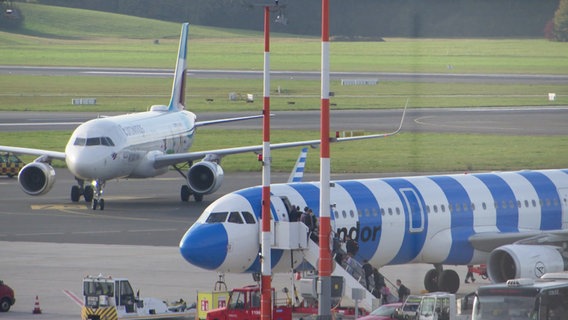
88 193
449 281
75 193
95 203
198 197
185 192
102 204
431 280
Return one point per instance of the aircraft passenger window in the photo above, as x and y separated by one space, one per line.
249 218
80 142
435 209
533 203
484 206
458 207
383 212
235 217
541 202
367 213
351 213
547 202
472 206
336 214
511 204
359 213
390 211
526 203
443 208
344 213
504 204
397 211
94 141
427 208
216 217
450 207
375 212
555 202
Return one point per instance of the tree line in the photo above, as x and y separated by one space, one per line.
353 19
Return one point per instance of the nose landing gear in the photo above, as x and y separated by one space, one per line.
98 201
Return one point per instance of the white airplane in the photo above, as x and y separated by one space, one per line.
515 222
141 145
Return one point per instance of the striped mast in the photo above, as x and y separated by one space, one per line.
266 267
325 264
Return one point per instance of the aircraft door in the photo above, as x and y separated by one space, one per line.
279 209
413 208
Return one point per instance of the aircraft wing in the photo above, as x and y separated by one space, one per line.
171 159
489 241
209 122
34 152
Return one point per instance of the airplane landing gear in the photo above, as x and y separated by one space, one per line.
439 279
80 190
186 192
98 201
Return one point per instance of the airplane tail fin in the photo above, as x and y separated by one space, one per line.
298 172
177 101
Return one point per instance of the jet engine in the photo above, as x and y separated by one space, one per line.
523 261
205 177
36 178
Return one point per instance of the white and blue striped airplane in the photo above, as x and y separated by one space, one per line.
515 222
141 145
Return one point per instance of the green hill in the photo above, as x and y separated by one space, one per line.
66 23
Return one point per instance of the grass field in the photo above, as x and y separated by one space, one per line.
406 152
67 37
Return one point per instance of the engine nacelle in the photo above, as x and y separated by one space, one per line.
36 178
523 261
205 177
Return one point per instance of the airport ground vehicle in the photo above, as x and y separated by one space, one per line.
543 299
7 297
407 311
111 298
438 306
384 312
10 164
244 303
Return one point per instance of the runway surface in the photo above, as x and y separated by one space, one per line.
536 120
300 75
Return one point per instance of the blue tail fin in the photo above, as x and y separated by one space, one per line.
298 172
177 101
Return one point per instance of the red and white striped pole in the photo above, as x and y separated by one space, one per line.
266 267
325 263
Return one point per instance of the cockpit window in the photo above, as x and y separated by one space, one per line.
96 141
216 217
249 218
235 217
80 142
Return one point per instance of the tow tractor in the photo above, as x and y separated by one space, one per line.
108 298
244 303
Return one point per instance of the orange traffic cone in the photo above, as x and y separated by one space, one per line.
37 310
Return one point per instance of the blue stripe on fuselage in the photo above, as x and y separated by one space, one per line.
461 221
310 193
413 242
370 219
551 211
507 215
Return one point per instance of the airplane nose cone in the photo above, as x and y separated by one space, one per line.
205 245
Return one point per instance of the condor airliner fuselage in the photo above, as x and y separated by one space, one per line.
516 222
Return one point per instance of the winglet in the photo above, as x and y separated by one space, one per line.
177 101
298 172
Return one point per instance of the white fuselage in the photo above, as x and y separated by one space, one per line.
124 146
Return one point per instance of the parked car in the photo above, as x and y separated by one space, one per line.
384 312
7 298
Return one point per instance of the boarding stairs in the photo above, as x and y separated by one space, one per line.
294 236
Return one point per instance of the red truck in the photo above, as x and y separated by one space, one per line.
244 304
7 298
